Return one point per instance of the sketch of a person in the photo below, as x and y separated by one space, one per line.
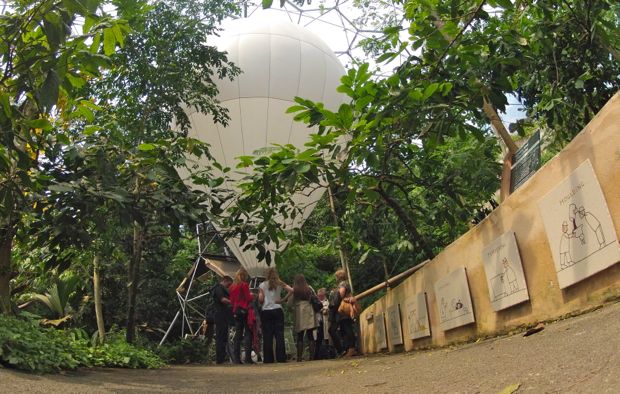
577 222
509 277
443 307
566 259
594 224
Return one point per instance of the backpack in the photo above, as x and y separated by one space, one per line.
334 299
317 305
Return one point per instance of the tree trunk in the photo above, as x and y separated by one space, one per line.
385 269
98 301
343 256
6 243
504 190
134 277
498 126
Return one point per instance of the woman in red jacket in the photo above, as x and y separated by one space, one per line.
240 299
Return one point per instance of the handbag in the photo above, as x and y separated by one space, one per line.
348 310
241 313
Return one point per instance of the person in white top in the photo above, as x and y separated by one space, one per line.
272 316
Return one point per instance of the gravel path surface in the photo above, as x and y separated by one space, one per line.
580 354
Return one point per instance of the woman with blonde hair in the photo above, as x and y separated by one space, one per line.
341 326
305 317
240 299
272 316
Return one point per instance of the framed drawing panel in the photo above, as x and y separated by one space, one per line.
417 316
504 272
580 230
454 300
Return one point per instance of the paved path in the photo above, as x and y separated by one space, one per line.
581 354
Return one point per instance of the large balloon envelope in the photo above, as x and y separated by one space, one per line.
279 61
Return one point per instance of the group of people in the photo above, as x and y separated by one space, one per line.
320 318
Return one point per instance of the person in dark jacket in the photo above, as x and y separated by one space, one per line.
222 317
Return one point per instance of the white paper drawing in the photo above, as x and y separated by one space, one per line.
380 337
581 233
454 300
395 332
417 316
504 271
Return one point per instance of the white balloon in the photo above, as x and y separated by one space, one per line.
279 61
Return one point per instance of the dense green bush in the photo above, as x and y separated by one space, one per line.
25 345
186 352
123 355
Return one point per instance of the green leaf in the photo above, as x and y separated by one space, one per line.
75 6
109 41
267 3
346 90
446 87
91 5
345 113
364 256
54 29
386 57
118 35
416 94
6 105
245 161
94 47
76 82
91 129
48 94
302 168
146 147
506 4
430 89
62 139
43 124
295 108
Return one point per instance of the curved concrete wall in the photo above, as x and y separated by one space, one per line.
600 143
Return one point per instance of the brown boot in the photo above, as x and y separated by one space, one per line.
350 352
300 351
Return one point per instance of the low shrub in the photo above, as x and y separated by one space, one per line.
27 346
120 354
186 351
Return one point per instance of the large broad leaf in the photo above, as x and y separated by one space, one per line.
109 41
54 30
48 93
42 124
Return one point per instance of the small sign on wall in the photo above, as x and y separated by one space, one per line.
417 316
454 300
395 331
525 162
581 233
379 325
504 271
